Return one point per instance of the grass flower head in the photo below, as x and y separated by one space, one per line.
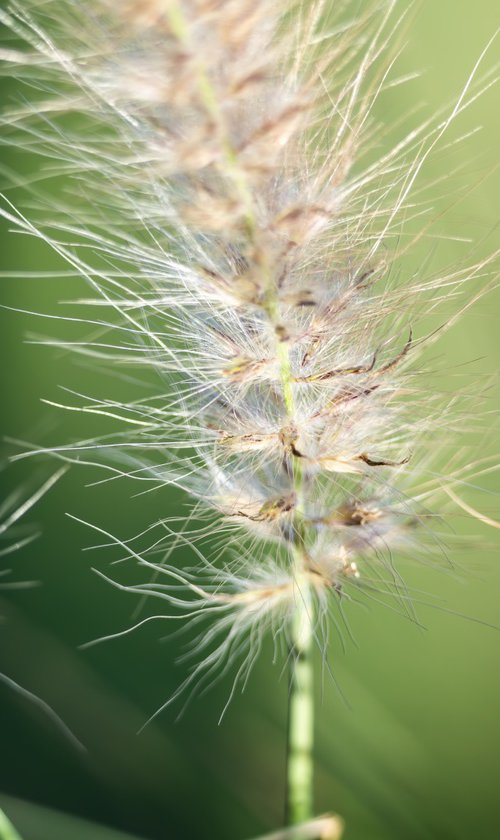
241 239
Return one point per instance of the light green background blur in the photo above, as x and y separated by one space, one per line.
412 749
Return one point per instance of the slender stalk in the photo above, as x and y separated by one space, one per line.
300 739
299 783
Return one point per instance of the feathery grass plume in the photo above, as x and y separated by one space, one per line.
241 239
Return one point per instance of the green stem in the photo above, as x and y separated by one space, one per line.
299 783
299 790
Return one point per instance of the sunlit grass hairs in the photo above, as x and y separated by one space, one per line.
240 224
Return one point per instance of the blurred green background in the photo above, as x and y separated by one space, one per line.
411 751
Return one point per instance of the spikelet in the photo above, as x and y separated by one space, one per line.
244 247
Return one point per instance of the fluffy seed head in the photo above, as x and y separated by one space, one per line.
241 240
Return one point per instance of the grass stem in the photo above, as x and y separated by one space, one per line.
299 784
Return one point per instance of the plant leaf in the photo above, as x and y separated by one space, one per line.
7 830
39 823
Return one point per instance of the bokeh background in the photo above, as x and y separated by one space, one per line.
408 742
